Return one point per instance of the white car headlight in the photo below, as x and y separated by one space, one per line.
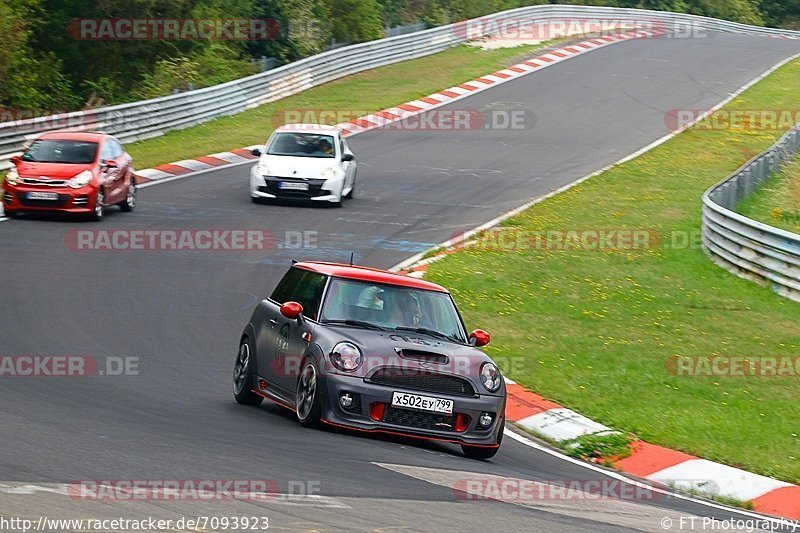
81 180
12 177
490 377
328 173
346 356
263 168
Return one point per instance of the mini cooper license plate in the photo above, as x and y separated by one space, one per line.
293 186
35 195
422 403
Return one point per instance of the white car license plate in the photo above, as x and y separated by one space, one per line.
35 195
293 186
422 403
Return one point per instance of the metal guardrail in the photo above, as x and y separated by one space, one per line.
748 248
150 118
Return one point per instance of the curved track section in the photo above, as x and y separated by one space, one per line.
181 313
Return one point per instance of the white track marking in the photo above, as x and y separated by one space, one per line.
473 487
62 489
733 482
562 424
779 522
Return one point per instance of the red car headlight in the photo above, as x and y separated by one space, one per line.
12 177
81 180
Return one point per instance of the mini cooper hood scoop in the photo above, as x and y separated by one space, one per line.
422 355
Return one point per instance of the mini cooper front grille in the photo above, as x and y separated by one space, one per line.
418 419
422 380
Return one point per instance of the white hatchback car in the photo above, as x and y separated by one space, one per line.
304 162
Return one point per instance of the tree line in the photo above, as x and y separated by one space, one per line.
47 64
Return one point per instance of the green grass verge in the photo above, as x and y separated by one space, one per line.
595 330
608 448
777 202
368 91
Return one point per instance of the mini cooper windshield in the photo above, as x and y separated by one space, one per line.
392 308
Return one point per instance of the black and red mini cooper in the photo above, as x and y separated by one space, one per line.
374 351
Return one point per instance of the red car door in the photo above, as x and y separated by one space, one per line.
124 161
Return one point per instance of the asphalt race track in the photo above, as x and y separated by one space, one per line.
181 313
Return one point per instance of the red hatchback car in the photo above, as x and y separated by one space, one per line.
70 172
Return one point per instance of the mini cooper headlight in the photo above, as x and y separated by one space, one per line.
80 180
12 177
490 377
346 356
328 173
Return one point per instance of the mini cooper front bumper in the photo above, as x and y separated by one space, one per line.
370 409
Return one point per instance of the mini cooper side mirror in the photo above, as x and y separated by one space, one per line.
347 157
291 310
479 338
256 152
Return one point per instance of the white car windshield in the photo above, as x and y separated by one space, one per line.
301 145
392 307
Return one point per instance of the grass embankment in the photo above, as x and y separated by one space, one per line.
777 202
599 331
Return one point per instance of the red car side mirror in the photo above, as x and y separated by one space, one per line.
479 338
291 310
15 160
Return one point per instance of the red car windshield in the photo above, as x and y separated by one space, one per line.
61 151
393 307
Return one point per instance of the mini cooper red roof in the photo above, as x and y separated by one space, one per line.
74 135
373 275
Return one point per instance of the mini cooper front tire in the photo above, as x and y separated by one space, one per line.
243 375
307 399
